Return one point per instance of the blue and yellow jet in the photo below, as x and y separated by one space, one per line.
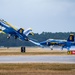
12 31
55 42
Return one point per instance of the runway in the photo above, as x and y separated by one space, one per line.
38 59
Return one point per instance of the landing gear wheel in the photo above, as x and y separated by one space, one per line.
8 37
68 52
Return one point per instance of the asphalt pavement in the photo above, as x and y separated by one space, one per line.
38 59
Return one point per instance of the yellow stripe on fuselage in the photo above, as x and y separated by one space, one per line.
11 26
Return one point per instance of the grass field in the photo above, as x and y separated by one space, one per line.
37 69
31 51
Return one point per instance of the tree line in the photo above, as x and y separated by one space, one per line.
37 37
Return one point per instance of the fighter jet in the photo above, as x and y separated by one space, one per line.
20 33
57 42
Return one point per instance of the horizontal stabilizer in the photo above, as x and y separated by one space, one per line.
28 31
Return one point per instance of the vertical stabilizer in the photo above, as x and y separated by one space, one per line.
71 38
21 30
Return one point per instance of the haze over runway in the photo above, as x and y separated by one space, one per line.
38 59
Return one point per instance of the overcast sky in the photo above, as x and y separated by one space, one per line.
40 15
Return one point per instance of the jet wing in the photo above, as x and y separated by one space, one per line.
6 28
6 24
